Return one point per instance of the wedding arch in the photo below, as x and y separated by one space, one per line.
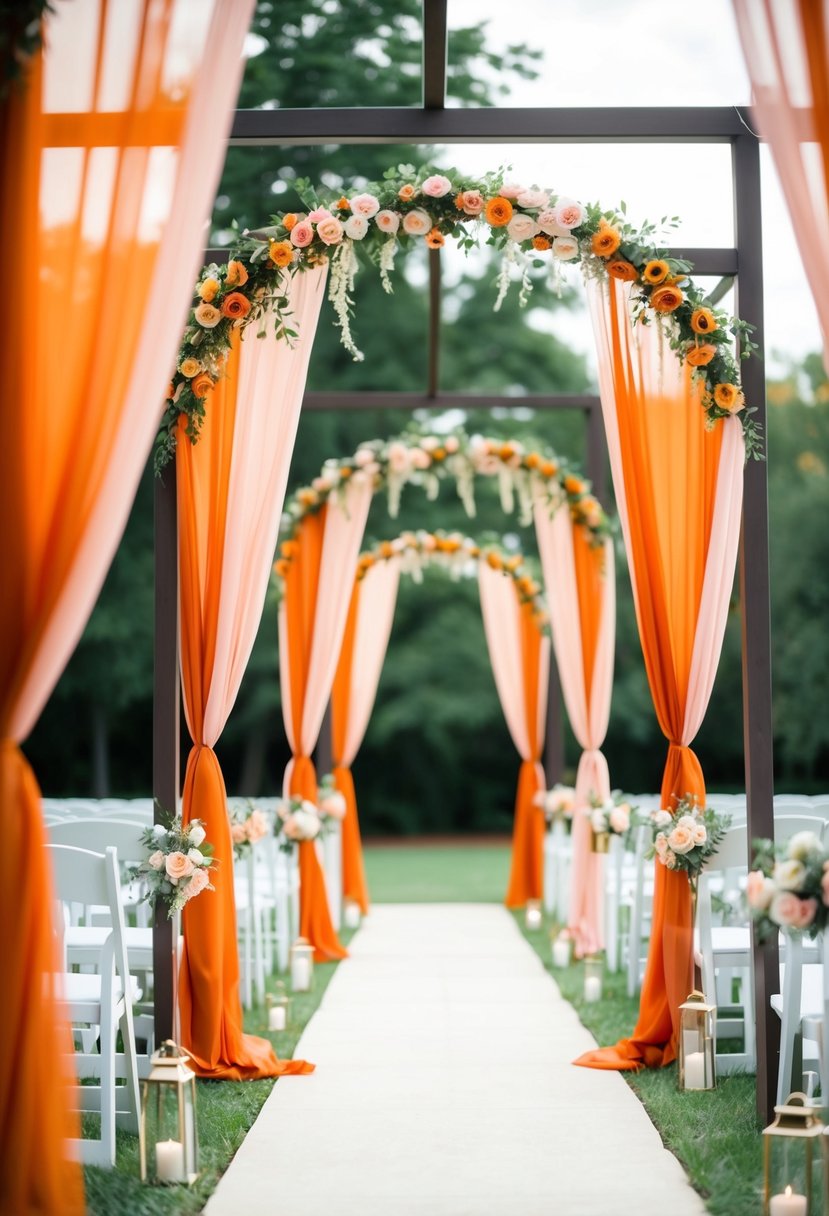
678 431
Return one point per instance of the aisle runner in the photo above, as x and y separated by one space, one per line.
444 1088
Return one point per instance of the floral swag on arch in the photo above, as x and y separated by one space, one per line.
532 227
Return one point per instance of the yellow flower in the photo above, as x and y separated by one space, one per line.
434 238
190 368
656 272
620 269
728 397
666 299
606 241
494 560
703 321
700 356
207 289
573 485
281 253
237 275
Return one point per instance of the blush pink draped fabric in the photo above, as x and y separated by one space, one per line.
231 489
588 709
505 635
787 54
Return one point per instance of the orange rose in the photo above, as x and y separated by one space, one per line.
549 468
281 253
620 269
439 454
343 204
308 498
512 563
386 549
700 356
542 242
434 239
201 386
207 289
282 567
459 202
606 241
237 275
406 193
289 221
345 472
573 484
235 305
666 299
170 391
703 321
498 212
728 397
656 273
494 561
474 551
532 460
506 451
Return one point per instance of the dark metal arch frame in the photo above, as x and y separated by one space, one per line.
432 123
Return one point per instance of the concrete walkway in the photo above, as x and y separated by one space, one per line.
444 1087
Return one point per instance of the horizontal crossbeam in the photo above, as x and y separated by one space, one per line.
377 399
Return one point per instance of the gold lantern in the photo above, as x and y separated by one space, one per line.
302 965
532 914
278 1004
593 972
173 1137
599 841
788 1157
697 1063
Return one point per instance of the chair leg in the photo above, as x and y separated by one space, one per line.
133 1116
108 1032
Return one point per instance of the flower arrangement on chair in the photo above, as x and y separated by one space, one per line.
608 817
331 802
789 888
297 820
684 838
248 824
556 804
178 863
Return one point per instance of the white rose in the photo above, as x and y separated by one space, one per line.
196 856
522 227
802 845
417 222
700 833
364 205
597 819
363 456
789 874
197 833
356 227
565 248
533 200
156 860
387 221
662 818
619 819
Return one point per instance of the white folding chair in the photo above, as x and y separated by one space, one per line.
102 1000
640 893
332 861
800 1005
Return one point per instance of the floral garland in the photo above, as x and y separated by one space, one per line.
524 475
529 225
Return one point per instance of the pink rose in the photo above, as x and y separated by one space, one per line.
522 227
419 458
257 826
661 844
334 804
417 222
330 230
238 832
302 234
178 866
472 202
620 819
365 205
824 885
387 221
670 860
398 457
156 860
681 839
436 186
760 890
510 190
363 457
533 200
198 881
785 909
806 913
356 227
452 444
569 214
547 223
319 214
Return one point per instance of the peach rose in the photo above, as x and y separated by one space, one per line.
257 825
406 193
661 844
365 205
330 230
302 234
237 275
201 385
334 804
681 839
238 832
207 316
565 248
521 227
785 909
700 833
178 866
318 215
436 186
511 190
760 891
547 223
569 214
533 200
198 881
472 202
156 860
620 819
806 913
387 221
190 368
417 222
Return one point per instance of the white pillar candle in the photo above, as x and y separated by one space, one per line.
169 1161
276 1017
695 1070
352 916
532 918
301 974
592 988
561 953
788 1204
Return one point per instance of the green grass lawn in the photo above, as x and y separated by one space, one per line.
713 1134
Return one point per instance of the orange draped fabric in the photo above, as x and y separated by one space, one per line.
209 1002
526 879
301 586
84 361
354 875
665 465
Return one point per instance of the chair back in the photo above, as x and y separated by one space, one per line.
788 825
99 833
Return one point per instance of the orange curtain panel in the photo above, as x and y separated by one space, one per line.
110 150
580 585
520 657
679 494
360 664
231 488
312 622
787 55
